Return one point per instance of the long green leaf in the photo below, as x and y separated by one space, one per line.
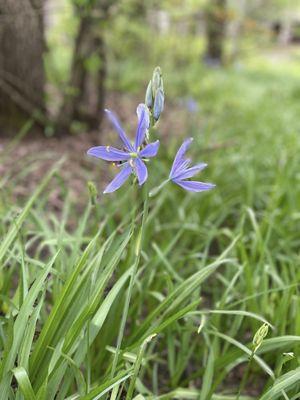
96 325
246 350
24 383
57 313
284 383
184 289
16 225
208 375
101 390
21 323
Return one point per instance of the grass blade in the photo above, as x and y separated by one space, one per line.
16 225
24 383
284 383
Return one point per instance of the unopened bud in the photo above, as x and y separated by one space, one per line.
259 336
154 98
149 96
156 79
92 192
158 104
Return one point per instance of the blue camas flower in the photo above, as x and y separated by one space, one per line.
132 156
192 105
181 171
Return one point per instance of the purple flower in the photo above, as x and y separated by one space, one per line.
181 171
131 157
192 105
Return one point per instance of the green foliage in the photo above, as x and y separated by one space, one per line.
60 40
212 268
168 33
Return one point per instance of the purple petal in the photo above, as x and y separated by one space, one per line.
119 179
194 186
115 122
143 124
150 150
190 172
179 160
108 153
141 171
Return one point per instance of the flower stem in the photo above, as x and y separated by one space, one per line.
138 248
245 376
154 191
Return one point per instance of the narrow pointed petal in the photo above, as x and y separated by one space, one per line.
150 150
190 172
179 160
143 124
116 124
119 179
108 153
181 168
141 171
194 186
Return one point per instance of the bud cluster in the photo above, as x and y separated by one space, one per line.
259 336
155 96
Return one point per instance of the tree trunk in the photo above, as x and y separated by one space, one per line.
84 100
215 32
21 61
236 31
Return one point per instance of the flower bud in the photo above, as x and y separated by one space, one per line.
154 98
149 96
158 104
156 79
259 336
92 192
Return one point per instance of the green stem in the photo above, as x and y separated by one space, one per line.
245 376
154 191
88 360
137 367
138 249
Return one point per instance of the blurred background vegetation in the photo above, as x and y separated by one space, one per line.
60 58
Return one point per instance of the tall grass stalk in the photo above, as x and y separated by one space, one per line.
137 254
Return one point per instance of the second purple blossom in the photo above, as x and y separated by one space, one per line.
181 171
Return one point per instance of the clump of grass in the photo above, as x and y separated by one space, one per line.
227 263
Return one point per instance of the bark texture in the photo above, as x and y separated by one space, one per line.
215 31
84 99
22 75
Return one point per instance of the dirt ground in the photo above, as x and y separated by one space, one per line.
24 163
